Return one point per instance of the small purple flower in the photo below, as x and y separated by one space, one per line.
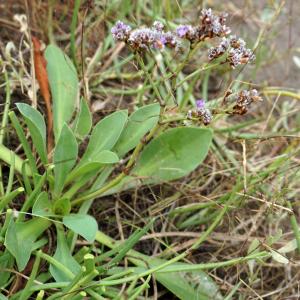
171 39
215 52
239 56
213 25
120 31
244 99
182 30
206 13
200 103
160 43
163 40
159 26
201 113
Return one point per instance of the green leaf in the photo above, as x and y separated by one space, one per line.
83 122
194 285
64 87
84 225
104 136
62 206
288 247
279 257
20 238
37 128
173 154
103 158
253 248
42 205
140 122
6 263
64 158
63 255
190 285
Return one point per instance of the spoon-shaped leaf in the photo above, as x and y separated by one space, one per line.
64 158
173 154
64 87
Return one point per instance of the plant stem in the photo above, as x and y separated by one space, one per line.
50 22
195 73
4 123
9 197
281 93
73 30
11 174
29 200
295 227
6 108
5 155
57 264
149 78
26 291
163 268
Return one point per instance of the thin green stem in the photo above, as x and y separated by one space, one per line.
26 291
73 30
6 108
185 268
140 289
57 264
50 22
5 200
8 217
295 226
29 201
11 174
49 286
270 91
4 123
149 78
179 68
5 155
195 73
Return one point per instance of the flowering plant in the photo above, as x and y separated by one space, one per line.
123 151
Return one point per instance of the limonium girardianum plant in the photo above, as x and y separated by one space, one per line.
124 150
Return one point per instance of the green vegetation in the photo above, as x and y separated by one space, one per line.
167 176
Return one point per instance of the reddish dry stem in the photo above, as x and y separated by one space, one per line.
42 78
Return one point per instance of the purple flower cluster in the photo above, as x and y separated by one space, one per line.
186 32
244 99
210 26
213 25
237 51
121 31
145 38
239 54
200 112
215 52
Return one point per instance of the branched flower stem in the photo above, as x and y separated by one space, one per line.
149 78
